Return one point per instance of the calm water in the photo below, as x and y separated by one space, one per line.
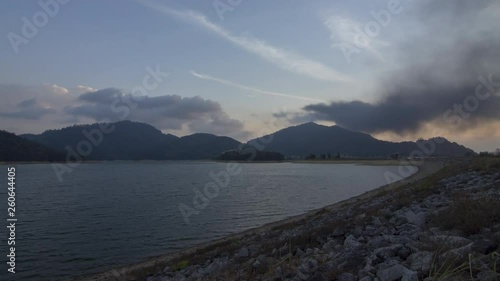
108 214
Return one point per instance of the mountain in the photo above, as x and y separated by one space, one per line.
311 138
127 140
200 146
130 140
446 148
15 148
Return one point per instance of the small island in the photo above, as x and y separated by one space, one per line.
251 155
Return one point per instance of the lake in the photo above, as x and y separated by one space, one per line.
115 213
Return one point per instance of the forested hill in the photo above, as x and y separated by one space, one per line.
311 138
15 148
127 140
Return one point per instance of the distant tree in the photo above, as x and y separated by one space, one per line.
243 155
15 148
497 152
338 155
329 155
484 154
311 156
394 156
323 156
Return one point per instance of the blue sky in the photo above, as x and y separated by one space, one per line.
260 59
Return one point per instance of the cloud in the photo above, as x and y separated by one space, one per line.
53 106
27 103
167 112
31 102
295 117
282 58
56 89
437 77
251 89
81 89
344 30
29 109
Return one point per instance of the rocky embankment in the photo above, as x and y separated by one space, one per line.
443 227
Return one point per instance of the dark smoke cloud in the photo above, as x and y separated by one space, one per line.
438 71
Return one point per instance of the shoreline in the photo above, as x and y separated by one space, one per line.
368 162
426 169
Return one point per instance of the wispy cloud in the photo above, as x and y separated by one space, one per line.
251 89
282 58
346 30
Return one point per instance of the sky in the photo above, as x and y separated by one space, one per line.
396 69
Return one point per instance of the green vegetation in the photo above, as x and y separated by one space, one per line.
14 148
452 268
180 265
127 140
302 140
323 156
251 155
470 215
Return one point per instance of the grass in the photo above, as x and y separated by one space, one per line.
141 273
454 269
448 266
197 257
486 164
469 215
449 270
180 265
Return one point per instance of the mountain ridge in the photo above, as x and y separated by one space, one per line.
131 140
15 148
311 138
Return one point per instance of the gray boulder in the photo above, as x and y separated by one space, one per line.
387 252
416 219
397 272
346 277
351 242
242 253
421 261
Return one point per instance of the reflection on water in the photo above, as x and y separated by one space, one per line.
110 214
